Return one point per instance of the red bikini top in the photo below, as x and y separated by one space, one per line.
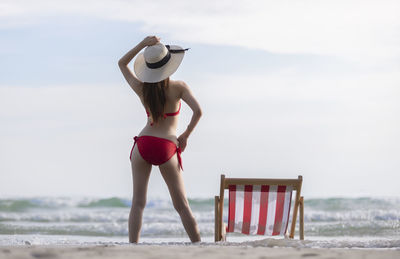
167 114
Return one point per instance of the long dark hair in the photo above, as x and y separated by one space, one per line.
154 98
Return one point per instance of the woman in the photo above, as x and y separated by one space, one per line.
157 143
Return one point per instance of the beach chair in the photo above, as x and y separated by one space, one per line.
259 206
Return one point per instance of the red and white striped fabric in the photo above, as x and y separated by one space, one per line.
259 209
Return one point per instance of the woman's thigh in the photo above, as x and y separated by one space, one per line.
172 175
140 174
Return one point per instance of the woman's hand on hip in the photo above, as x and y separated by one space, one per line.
182 139
150 40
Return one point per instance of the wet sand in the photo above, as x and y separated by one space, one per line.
189 251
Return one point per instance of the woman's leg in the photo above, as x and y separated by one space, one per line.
140 174
172 175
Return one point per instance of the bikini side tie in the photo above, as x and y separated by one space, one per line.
134 143
178 154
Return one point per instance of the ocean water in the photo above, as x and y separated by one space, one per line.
364 222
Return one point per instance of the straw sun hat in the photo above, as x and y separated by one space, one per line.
157 62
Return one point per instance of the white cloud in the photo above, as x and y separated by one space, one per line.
341 127
364 31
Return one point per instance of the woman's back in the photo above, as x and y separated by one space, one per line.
166 126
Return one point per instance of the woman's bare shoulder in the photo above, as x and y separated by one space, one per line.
177 82
179 85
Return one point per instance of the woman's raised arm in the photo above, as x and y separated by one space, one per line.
132 80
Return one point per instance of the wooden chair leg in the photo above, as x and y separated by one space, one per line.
301 218
223 232
216 223
294 217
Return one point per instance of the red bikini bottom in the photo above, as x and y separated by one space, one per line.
156 150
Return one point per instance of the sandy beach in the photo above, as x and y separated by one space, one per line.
189 251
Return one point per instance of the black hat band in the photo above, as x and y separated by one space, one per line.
165 59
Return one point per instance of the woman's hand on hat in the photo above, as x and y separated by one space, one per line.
151 40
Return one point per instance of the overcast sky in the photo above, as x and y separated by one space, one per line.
287 88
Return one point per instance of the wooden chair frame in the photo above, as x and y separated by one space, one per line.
225 182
